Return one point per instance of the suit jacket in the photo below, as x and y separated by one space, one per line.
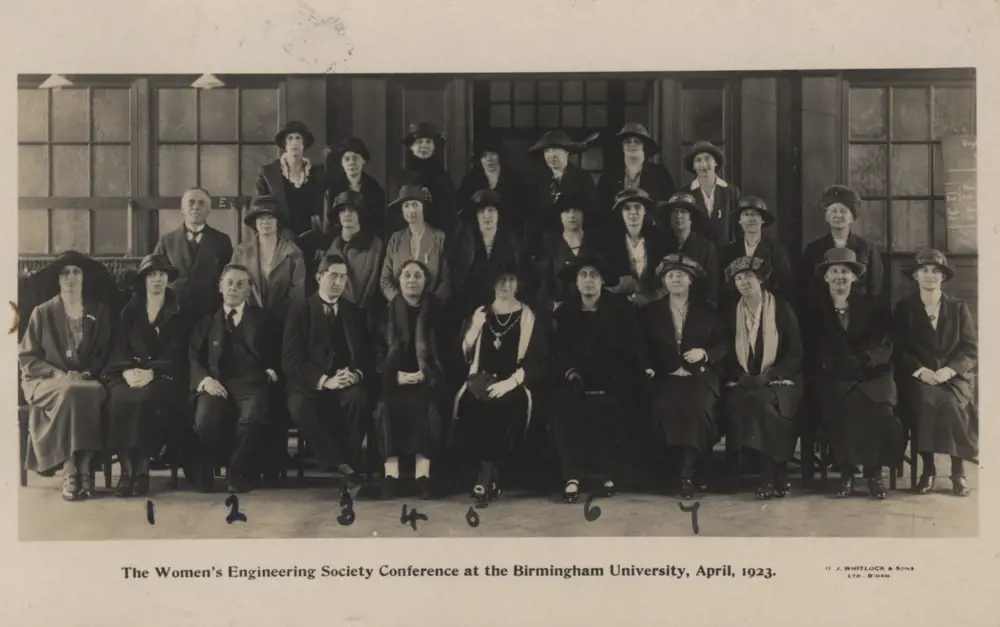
161 347
723 222
702 250
307 352
511 187
270 181
197 282
839 360
702 329
654 179
286 281
432 254
263 337
870 283
374 217
782 279
953 345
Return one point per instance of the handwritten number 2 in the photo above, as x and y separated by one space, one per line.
472 517
347 516
591 513
235 515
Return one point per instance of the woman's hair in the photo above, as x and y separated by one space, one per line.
413 262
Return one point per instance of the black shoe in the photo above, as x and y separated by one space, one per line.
925 485
423 488
140 486
389 488
125 486
238 484
764 492
571 491
87 490
959 486
846 488
782 488
877 488
687 489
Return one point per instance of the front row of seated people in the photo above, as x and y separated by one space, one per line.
749 374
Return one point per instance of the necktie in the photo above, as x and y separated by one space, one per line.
231 321
330 309
193 236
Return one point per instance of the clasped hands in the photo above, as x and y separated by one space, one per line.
215 388
138 377
409 378
936 377
692 356
343 378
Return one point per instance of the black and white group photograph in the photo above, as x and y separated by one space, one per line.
555 304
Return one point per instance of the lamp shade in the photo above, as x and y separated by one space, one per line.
208 81
56 81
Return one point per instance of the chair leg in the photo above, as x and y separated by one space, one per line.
299 446
174 463
108 463
914 460
22 423
824 460
807 444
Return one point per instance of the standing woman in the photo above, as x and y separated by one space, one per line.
634 251
506 349
763 373
682 212
425 168
408 419
61 356
685 344
936 358
293 180
716 197
345 167
147 375
636 171
488 172
753 216
418 241
559 177
561 246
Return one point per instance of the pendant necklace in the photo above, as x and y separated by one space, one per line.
505 326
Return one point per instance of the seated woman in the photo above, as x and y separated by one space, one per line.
408 420
490 172
147 375
418 241
61 357
848 365
763 373
685 344
936 357
506 350
598 353
634 251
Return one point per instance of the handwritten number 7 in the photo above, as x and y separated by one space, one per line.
233 502
591 513
693 510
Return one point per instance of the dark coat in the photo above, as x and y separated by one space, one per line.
307 353
953 345
197 282
513 191
702 250
838 360
782 279
461 249
542 216
260 328
610 356
553 257
303 217
374 214
702 329
870 283
161 347
285 282
654 179
431 174
723 221
620 263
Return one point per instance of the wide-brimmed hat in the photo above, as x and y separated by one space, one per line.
634 129
265 206
485 144
932 257
348 198
557 139
757 204
758 266
89 266
351 144
485 198
569 272
412 192
679 261
294 126
686 201
511 267
840 257
700 147
422 129
633 195
841 194
154 263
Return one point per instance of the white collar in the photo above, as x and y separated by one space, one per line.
193 230
299 180
332 303
238 309
718 183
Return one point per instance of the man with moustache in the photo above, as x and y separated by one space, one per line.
326 356
234 356
199 253
682 210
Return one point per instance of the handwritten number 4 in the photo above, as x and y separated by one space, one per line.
235 515
412 517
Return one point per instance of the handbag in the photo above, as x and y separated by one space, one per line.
479 383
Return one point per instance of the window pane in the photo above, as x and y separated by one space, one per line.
910 225
500 116
592 160
701 115
112 115
940 225
959 230
867 114
70 171
32 115
548 116
32 231
177 170
939 174
870 222
70 230
868 169
110 231
524 116
910 170
176 114
218 170
251 160
597 91
32 170
70 115
637 113
597 116
259 115
500 91
217 115
572 116
954 111
572 91
548 91
111 171
635 91
910 114
524 91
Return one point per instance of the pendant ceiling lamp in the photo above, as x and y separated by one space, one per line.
208 81
56 81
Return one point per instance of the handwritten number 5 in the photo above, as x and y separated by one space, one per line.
591 513
472 517
233 502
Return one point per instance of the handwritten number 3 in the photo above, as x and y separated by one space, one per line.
347 516
591 513
234 510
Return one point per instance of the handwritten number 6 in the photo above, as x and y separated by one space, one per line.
472 517
234 510
591 513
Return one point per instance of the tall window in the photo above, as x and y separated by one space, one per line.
702 106
75 145
895 160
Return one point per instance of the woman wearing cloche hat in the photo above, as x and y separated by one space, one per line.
345 167
635 171
489 171
936 360
716 197
560 177
293 180
424 165
753 215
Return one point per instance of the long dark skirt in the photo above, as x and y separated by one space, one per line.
408 421
146 418
944 421
683 410
586 428
756 423
487 430
862 432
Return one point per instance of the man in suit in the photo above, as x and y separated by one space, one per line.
234 356
199 252
327 355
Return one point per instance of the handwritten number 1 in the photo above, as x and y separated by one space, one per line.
591 513
150 513
233 502
693 510
472 517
